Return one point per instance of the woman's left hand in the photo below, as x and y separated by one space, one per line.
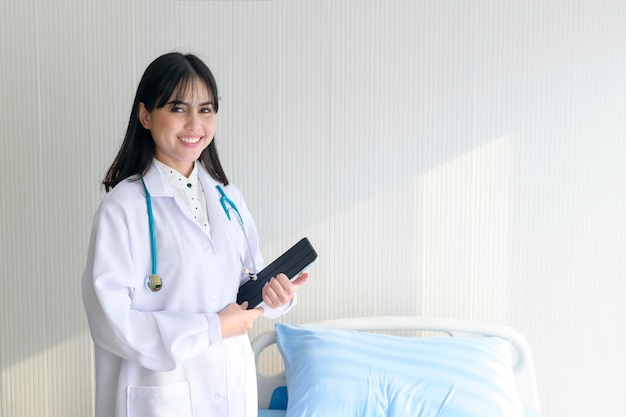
278 291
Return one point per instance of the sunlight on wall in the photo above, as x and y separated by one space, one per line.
466 234
436 245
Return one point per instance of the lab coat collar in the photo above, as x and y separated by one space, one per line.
159 186
176 179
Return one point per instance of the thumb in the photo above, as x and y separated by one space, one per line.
301 279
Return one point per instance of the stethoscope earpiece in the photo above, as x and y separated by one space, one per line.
252 276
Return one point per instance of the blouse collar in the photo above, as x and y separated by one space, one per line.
176 179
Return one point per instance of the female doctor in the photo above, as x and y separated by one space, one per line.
166 259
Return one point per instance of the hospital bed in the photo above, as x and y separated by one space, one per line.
398 366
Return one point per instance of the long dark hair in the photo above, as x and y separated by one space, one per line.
169 74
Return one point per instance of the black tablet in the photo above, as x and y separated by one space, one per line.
291 263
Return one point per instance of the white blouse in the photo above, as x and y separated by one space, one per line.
189 190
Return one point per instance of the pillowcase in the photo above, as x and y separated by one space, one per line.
352 373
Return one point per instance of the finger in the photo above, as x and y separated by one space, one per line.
259 310
282 278
269 295
281 295
253 314
244 305
279 283
301 279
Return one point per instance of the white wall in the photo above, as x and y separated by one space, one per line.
447 158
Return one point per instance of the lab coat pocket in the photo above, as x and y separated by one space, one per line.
159 401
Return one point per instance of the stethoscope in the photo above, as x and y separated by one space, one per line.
154 282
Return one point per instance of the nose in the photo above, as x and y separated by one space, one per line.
192 121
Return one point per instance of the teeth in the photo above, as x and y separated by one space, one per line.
189 140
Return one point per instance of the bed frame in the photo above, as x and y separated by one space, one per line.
523 368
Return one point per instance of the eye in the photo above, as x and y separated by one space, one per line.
206 110
177 109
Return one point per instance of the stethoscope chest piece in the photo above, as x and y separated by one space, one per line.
154 282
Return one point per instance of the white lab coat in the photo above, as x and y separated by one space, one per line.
162 353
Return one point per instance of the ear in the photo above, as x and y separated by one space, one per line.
144 116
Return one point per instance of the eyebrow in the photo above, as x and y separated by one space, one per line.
175 102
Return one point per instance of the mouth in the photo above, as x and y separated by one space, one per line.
190 140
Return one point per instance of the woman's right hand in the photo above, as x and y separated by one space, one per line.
236 319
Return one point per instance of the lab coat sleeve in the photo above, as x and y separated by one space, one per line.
272 313
156 340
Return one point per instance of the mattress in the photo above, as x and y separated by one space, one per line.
272 413
283 413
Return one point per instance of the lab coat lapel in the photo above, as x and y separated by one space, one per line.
159 187
157 184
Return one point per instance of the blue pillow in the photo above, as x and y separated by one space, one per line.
351 373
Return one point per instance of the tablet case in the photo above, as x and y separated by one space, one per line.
290 263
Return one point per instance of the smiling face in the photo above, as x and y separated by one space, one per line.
182 128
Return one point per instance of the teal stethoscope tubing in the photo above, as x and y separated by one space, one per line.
225 202
151 225
154 281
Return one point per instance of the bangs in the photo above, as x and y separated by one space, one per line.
174 77
185 90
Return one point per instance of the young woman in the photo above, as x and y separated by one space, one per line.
166 259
